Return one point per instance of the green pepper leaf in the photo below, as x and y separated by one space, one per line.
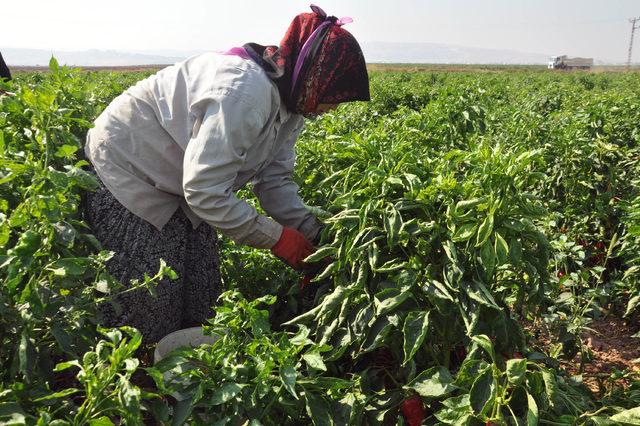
464 232
101 421
225 393
516 370
485 230
288 377
485 343
627 417
483 392
314 360
318 409
515 251
11 413
501 249
66 151
532 411
435 382
390 298
377 333
488 258
415 330
392 226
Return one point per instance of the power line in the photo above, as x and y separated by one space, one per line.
634 27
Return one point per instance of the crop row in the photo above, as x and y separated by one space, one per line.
458 208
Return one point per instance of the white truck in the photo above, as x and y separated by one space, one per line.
565 63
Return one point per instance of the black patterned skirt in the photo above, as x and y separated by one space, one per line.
138 247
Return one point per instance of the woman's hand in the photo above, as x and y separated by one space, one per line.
293 248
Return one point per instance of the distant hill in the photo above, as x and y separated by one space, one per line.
375 52
39 57
434 53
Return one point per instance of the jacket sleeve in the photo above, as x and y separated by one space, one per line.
278 193
213 157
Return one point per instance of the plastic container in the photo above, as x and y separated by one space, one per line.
189 337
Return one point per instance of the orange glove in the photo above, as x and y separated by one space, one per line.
293 248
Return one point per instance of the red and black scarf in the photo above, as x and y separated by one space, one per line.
334 71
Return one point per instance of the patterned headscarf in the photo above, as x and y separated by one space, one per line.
317 62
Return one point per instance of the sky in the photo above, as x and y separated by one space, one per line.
593 28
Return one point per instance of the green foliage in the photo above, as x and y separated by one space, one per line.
457 205
254 374
51 267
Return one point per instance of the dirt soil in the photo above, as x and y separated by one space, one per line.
612 347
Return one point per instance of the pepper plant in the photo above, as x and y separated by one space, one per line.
253 374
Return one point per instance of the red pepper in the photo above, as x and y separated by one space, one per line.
512 355
461 353
413 410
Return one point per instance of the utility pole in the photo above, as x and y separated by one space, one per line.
634 27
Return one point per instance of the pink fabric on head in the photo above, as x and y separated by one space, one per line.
237 51
344 21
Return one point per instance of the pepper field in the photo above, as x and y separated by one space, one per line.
482 231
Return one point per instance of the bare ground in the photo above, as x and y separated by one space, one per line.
612 348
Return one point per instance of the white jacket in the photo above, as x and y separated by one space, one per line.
192 135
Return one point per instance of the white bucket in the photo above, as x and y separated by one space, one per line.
189 337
